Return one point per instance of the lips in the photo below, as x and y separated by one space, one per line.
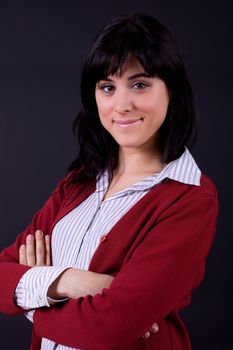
129 122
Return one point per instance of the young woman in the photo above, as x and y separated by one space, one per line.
131 224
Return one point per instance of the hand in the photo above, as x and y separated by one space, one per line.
154 329
36 251
75 283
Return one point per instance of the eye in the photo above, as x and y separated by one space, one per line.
140 85
106 87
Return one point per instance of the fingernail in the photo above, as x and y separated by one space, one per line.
30 238
147 335
155 327
39 233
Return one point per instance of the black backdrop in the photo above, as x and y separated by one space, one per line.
41 48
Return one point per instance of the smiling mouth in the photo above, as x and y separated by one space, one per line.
126 123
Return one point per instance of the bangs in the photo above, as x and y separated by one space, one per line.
110 57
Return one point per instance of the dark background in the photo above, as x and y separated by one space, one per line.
42 44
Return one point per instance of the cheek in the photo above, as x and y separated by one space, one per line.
160 108
104 116
157 111
103 112
103 106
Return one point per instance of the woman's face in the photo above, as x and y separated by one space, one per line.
132 106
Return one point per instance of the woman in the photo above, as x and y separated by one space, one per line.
133 221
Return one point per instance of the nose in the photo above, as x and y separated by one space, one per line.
123 101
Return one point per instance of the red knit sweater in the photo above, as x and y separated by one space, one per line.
156 252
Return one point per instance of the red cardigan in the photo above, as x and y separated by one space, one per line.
156 252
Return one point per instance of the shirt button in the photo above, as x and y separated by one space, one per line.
103 239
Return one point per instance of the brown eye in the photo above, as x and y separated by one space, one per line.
107 88
139 85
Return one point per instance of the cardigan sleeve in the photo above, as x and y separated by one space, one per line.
155 281
10 269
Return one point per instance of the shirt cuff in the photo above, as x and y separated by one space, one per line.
31 291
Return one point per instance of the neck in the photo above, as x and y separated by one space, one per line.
131 161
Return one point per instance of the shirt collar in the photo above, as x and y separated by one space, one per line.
184 169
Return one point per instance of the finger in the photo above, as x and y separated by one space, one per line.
30 250
40 248
154 328
146 335
22 255
48 250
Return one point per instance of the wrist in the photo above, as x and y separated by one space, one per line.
58 289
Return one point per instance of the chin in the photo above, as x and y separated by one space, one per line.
129 145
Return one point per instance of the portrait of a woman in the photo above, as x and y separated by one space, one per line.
115 252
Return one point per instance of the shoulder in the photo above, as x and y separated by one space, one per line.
172 194
184 202
207 186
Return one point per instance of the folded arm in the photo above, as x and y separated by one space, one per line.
165 267
70 283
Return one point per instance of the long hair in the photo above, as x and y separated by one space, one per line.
157 51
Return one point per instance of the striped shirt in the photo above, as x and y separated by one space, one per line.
76 236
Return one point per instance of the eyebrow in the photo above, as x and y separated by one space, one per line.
138 75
